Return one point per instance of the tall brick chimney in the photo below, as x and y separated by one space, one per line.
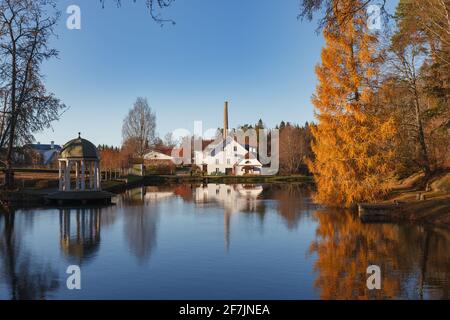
225 120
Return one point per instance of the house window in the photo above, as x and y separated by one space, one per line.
217 170
228 161
217 161
235 148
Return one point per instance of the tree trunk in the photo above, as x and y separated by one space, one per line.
421 137
9 173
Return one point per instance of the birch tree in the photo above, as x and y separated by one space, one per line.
26 27
139 126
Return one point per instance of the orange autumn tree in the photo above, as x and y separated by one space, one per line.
352 138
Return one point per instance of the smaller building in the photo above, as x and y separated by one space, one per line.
157 156
248 166
160 162
41 154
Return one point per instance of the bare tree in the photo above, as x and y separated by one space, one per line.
139 126
169 140
405 63
153 6
291 150
295 148
26 27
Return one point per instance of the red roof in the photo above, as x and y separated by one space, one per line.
163 149
206 143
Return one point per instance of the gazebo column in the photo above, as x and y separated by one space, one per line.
99 181
77 177
67 176
91 175
60 176
64 174
96 176
83 176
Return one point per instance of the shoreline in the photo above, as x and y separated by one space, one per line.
29 198
416 199
434 211
402 206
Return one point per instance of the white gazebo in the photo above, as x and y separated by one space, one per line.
81 156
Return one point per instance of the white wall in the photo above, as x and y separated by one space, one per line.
233 152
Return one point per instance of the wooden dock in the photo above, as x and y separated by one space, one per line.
80 197
378 212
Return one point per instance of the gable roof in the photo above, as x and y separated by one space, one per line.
163 149
249 162
221 145
155 155
43 147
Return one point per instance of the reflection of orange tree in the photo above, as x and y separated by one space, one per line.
433 262
185 191
292 202
345 248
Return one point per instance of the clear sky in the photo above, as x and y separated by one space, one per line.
253 53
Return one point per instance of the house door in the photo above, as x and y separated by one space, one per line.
228 171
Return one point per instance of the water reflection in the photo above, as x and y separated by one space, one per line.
233 199
141 219
79 232
24 276
415 260
293 202
336 247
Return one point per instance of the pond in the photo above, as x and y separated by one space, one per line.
217 242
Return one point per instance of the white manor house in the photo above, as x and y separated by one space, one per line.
228 156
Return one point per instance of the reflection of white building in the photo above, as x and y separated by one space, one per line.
153 196
249 191
144 195
233 198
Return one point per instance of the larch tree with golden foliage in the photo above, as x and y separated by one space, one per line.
352 140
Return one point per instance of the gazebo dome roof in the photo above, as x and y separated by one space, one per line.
79 148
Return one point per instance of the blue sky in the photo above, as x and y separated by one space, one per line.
253 53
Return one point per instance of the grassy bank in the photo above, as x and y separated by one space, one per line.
170 179
135 181
420 199
34 184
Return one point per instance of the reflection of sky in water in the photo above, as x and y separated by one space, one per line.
213 242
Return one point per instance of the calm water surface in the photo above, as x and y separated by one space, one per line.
217 242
